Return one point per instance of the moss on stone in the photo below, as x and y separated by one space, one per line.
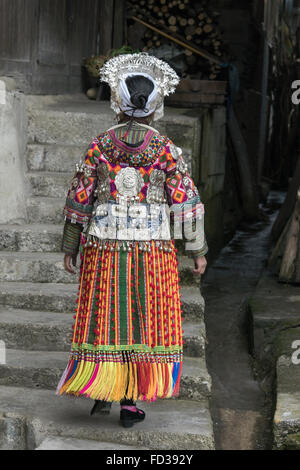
292 442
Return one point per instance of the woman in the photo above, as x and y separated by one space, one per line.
127 340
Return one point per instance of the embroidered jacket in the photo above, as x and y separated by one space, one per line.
134 195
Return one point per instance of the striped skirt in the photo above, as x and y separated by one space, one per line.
127 338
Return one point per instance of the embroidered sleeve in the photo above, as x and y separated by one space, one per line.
80 200
81 197
186 208
71 238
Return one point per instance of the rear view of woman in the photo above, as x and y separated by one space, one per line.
127 339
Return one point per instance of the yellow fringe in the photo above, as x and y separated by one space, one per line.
135 389
102 381
95 384
86 375
170 391
160 381
114 381
70 381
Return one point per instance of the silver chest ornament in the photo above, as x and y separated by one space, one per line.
155 193
74 186
129 182
103 189
176 152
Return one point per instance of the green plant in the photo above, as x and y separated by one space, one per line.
94 63
122 50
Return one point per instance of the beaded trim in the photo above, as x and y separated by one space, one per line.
126 245
109 148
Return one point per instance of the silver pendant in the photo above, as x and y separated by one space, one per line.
175 151
155 191
129 182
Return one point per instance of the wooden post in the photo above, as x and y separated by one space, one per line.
288 205
119 23
106 25
247 187
111 25
289 260
264 109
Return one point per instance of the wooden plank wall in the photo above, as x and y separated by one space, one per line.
18 34
112 25
43 43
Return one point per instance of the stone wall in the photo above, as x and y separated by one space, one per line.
12 153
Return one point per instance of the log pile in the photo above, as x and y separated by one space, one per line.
193 22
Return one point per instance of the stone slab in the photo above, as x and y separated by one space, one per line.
57 120
274 310
45 210
287 414
35 296
68 443
31 238
169 424
49 184
58 158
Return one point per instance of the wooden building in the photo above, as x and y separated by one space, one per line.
43 42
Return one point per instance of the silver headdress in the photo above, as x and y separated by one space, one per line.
118 68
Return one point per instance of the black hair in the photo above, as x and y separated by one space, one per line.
140 88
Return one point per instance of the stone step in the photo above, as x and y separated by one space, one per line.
78 126
49 184
69 443
78 123
169 424
58 158
43 369
62 158
45 210
31 238
35 267
48 267
50 331
60 297
287 415
47 238
36 296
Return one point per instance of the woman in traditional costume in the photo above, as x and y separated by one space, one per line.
127 341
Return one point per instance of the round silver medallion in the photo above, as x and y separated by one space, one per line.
129 182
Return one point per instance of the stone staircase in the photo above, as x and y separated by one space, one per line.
37 299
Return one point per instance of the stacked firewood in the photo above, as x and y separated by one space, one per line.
188 20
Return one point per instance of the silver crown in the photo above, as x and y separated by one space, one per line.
116 68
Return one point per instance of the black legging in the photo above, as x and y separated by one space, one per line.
124 401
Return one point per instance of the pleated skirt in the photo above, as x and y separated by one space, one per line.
127 334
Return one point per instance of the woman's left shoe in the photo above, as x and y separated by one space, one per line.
129 418
101 407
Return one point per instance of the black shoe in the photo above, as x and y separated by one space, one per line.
129 418
101 407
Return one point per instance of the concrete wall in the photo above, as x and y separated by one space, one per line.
212 174
12 153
